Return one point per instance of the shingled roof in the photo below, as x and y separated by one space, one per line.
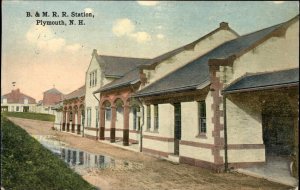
80 92
16 97
130 78
133 74
267 80
117 66
196 73
52 91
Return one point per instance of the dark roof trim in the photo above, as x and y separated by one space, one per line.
113 76
111 88
259 88
192 87
116 86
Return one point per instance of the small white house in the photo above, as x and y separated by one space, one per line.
15 101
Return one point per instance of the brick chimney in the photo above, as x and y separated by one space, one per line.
94 52
16 91
224 25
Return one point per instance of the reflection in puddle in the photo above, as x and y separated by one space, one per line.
82 161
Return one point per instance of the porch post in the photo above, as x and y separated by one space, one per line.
68 120
78 120
73 120
102 123
113 124
126 125
64 121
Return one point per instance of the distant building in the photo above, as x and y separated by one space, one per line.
50 98
15 101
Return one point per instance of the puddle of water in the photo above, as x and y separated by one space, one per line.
81 161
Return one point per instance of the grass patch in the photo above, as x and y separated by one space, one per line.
26 164
31 115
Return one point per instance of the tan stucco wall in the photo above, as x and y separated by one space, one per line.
90 100
166 129
190 130
166 121
244 126
248 155
162 146
196 153
181 59
58 119
277 53
189 122
243 121
119 123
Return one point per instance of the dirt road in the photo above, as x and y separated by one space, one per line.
155 173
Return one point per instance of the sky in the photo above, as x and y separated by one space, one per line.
39 57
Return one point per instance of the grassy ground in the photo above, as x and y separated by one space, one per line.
31 115
26 164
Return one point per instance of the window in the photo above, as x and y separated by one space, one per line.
108 113
4 108
82 118
155 117
136 118
26 109
89 118
25 101
17 108
97 117
90 79
120 109
202 116
93 78
139 118
148 117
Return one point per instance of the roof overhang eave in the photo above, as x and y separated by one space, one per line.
259 88
117 86
165 91
113 76
203 85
